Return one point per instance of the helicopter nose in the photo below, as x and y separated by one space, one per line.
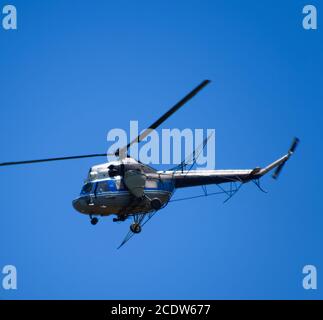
80 205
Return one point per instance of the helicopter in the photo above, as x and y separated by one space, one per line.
129 189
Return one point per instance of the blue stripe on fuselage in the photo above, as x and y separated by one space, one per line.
167 186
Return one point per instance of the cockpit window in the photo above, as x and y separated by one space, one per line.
102 186
86 188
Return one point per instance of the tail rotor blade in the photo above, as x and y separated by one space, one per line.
290 152
278 170
294 145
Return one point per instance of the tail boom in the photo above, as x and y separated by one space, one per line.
192 178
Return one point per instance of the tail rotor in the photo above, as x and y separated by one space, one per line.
290 152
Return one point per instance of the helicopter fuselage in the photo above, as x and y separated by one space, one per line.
110 196
107 192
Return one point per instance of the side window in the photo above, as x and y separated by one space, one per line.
102 187
119 184
151 184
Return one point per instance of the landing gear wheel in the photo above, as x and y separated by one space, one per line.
135 227
94 221
156 204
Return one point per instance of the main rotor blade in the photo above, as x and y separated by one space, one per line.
53 159
165 116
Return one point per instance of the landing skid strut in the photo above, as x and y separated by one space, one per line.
139 220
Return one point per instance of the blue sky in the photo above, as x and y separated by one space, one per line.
71 72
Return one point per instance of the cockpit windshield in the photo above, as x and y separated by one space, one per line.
86 188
